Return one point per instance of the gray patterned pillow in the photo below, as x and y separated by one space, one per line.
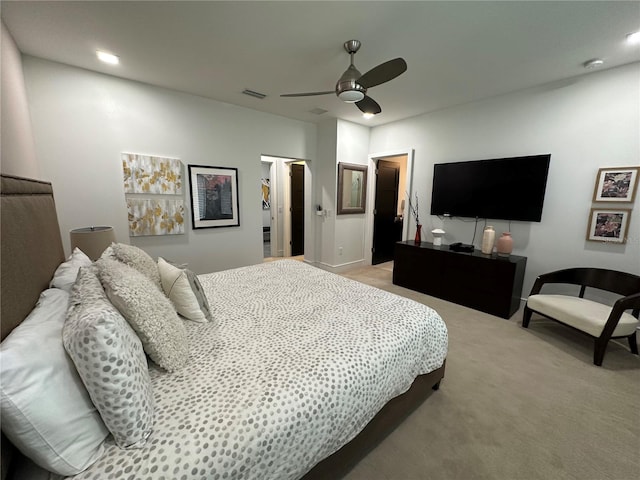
148 311
137 258
199 293
110 360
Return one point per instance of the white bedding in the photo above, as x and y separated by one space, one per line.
297 362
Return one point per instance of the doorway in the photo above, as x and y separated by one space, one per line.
297 209
389 188
387 223
287 219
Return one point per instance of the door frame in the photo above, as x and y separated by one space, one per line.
371 196
273 209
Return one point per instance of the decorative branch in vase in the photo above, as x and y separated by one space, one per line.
414 210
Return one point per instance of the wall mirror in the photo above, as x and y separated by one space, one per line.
352 188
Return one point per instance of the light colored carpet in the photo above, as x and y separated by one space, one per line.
514 404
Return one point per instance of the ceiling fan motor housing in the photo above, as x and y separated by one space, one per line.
348 89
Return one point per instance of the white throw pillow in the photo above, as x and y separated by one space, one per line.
46 411
184 291
137 258
110 360
148 311
67 271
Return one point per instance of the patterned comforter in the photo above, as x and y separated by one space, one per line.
297 362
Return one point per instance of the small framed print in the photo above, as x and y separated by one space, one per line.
214 196
617 184
609 225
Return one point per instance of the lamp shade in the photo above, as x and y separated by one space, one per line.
92 240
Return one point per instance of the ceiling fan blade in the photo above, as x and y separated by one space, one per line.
368 105
383 73
309 94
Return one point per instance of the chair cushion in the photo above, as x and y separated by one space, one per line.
585 315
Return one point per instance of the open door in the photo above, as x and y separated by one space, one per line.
297 209
387 225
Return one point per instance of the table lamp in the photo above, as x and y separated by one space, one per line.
92 240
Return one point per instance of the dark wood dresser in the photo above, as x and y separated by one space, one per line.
489 283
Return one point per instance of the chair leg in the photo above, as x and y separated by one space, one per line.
526 316
633 343
598 354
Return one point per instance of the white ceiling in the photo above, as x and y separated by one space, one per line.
457 52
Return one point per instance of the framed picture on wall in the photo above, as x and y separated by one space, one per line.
609 225
214 196
352 188
617 184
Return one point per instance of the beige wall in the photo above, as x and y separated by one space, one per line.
83 121
585 123
18 150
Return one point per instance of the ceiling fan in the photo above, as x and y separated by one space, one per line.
352 85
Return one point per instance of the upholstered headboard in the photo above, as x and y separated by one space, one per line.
31 250
31 246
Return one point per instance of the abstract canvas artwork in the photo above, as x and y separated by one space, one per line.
164 216
266 194
153 175
154 194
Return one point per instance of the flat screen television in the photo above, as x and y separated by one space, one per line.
501 189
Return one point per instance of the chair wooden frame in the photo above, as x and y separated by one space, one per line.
621 283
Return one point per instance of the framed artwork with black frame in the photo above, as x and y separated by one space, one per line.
214 196
609 225
617 184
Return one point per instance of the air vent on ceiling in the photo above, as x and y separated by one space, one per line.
251 93
318 111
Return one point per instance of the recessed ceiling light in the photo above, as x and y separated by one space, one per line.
634 37
368 115
107 57
594 63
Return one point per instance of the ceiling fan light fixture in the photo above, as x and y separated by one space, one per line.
368 115
351 96
350 91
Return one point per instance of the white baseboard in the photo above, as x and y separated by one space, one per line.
340 268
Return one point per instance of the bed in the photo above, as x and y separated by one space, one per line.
300 375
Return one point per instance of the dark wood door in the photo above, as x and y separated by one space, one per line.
297 209
386 231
